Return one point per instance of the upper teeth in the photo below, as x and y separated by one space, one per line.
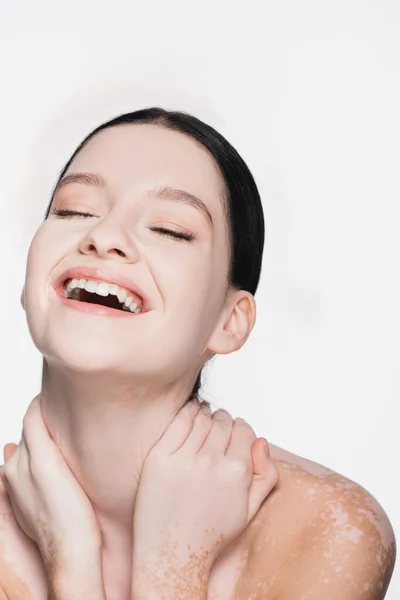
103 289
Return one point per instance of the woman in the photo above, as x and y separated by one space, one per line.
167 214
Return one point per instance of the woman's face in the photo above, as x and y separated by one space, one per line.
184 280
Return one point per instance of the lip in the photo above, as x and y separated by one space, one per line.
101 275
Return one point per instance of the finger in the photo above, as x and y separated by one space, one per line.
243 436
11 460
218 439
14 505
178 430
17 465
262 483
8 450
260 456
13 473
35 431
201 428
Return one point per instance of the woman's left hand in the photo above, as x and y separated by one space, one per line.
200 486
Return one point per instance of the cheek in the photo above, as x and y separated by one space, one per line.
44 252
35 258
48 245
38 255
183 279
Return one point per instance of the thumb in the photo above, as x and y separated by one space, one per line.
265 476
8 450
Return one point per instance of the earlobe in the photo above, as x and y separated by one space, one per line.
235 325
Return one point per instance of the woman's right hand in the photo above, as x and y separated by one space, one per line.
49 504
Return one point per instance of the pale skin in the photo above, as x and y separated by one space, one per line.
202 460
125 381
98 382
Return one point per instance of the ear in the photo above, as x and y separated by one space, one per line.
235 325
23 298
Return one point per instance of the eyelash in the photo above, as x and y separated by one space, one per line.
175 234
165 232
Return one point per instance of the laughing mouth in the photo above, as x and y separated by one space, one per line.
102 293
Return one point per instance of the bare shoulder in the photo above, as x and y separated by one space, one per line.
21 569
318 524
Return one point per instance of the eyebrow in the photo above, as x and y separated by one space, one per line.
170 194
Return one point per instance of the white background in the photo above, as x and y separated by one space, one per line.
309 94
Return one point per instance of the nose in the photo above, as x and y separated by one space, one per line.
108 239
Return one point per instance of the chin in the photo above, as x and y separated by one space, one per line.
81 355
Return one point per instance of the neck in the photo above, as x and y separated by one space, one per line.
104 430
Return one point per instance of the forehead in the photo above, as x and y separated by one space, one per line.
142 156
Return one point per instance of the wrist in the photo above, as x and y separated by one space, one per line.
69 553
66 585
169 579
75 576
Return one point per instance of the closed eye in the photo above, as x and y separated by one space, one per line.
179 235
60 212
175 234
